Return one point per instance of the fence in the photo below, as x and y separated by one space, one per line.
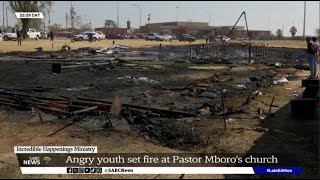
212 52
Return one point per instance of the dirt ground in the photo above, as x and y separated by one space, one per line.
177 87
30 45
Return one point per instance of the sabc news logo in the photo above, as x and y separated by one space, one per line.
36 161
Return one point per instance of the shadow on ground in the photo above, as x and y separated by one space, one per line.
294 141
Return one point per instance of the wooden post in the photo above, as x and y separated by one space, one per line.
160 49
245 51
267 50
190 50
40 117
270 106
250 53
223 109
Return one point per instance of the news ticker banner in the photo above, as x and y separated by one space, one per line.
87 160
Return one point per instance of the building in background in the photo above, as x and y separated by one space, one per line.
254 34
193 28
66 32
201 29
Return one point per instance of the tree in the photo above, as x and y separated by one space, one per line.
293 31
85 27
279 33
110 24
74 19
29 6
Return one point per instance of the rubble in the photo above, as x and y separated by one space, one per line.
138 79
281 81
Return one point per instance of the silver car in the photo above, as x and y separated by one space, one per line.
85 36
43 35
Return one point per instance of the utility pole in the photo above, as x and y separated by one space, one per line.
117 14
140 14
66 20
3 13
304 21
177 13
49 21
7 16
269 23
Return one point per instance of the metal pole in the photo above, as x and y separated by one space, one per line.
304 21
117 13
7 16
177 13
223 109
66 20
233 27
3 14
140 17
49 20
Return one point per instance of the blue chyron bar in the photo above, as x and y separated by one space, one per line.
277 170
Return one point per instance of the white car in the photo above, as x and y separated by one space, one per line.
33 34
102 36
85 36
167 37
8 35
224 38
153 36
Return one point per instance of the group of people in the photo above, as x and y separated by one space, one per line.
20 35
312 55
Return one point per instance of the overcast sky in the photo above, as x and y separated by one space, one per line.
261 15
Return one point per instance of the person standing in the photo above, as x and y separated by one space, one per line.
19 36
316 47
310 55
51 36
90 37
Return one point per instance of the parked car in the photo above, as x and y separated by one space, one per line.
8 34
174 37
33 34
115 36
102 36
224 38
85 36
126 36
244 38
153 36
44 35
167 37
186 37
132 36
